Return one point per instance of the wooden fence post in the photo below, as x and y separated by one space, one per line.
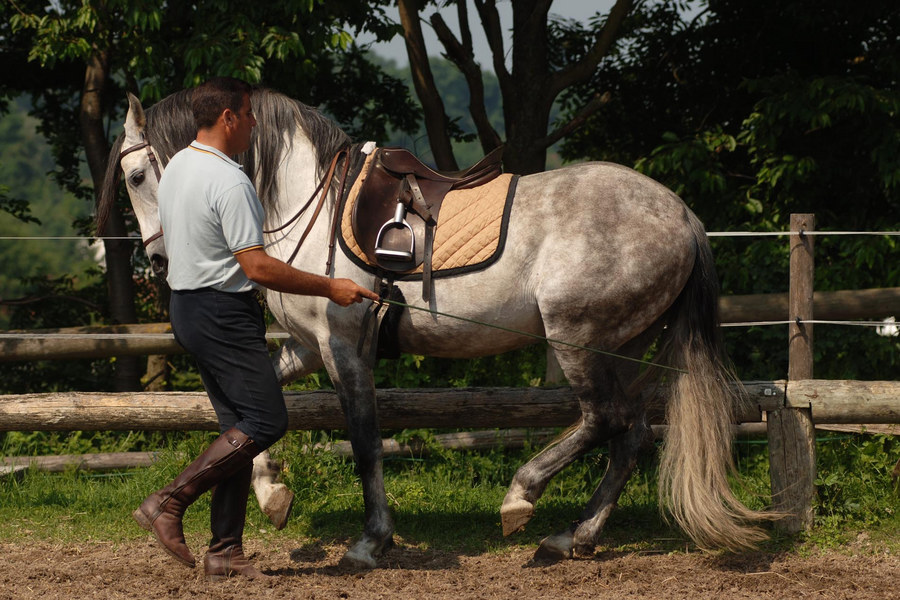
792 451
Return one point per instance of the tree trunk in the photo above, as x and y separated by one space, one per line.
436 121
527 98
118 252
532 87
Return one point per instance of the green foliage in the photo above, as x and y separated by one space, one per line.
35 207
525 367
302 48
44 443
726 103
855 489
449 499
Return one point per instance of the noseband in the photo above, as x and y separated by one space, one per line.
155 164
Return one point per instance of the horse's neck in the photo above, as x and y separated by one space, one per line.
298 175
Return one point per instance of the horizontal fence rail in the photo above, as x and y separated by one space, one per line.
830 401
157 338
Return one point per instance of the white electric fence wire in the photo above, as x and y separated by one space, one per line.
784 233
285 335
708 233
116 336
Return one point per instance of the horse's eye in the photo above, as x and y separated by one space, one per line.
137 178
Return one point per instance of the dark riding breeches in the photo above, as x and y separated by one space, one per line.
225 333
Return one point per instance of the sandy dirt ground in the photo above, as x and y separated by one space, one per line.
42 570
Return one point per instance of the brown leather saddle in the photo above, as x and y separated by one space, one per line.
399 204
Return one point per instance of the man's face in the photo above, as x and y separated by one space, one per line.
244 124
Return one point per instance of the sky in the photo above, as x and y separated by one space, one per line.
579 10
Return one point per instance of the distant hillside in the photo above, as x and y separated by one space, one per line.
25 160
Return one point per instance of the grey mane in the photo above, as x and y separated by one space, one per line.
277 115
170 128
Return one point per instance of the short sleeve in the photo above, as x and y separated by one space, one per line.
241 216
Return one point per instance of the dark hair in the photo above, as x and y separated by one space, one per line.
213 96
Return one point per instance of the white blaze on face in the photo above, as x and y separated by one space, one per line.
142 187
140 179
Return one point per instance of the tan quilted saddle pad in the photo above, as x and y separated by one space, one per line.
470 232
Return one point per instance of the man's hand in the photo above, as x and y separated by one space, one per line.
345 292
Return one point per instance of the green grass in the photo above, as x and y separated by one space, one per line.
450 500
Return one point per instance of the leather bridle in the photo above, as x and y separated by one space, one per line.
155 164
324 187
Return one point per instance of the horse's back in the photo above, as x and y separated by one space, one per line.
603 217
592 246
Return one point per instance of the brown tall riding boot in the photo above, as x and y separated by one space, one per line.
161 512
227 515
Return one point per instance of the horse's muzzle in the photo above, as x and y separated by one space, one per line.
159 265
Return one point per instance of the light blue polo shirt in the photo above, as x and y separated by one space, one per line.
209 211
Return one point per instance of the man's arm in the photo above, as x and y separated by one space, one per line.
279 276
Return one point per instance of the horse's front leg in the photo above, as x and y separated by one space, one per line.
291 361
355 385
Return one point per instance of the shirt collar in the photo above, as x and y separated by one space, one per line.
215 151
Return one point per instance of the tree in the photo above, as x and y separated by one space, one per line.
77 57
752 111
543 66
755 110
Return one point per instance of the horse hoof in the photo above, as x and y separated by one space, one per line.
357 561
514 515
278 507
555 548
364 552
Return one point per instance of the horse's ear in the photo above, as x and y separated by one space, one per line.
135 121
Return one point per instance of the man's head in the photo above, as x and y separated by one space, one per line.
221 106
212 97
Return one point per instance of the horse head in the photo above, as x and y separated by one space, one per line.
142 171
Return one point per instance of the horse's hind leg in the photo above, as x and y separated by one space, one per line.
531 479
605 413
609 412
584 534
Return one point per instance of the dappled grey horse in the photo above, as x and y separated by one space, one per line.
596 255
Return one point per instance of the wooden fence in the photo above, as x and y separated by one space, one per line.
790 408
829 401
155 338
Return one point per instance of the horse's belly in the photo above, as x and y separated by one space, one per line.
466 325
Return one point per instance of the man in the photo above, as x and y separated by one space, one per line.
212 219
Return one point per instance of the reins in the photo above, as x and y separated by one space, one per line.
324 186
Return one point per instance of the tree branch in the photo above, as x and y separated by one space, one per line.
463 56
490 21
583 69
577 121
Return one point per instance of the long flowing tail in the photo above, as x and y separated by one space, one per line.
696 455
